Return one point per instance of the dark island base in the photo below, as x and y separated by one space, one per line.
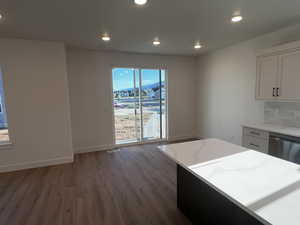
203 205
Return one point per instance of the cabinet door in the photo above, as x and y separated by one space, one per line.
267 77
254 143
290 76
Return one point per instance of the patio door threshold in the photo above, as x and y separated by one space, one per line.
117 145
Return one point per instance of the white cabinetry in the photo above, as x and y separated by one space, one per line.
278 73
290 76
267 77
255 139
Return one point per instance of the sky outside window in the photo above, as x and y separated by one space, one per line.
123 77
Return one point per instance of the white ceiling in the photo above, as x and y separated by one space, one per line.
178 23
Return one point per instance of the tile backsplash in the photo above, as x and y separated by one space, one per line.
282 113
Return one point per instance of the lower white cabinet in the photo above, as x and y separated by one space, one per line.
256 139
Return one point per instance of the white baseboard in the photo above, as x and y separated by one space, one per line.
93 149
70 159
181 138
36 164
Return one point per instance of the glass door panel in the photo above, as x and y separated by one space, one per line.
125 106
139 98
151 103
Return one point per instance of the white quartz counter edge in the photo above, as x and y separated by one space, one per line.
218 190
291 131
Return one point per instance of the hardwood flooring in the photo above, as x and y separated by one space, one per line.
133 186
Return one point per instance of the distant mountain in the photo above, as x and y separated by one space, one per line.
148 86
155 85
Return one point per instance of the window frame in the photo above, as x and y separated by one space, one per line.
166 137
5 145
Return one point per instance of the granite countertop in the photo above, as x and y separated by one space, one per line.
267 187
291 131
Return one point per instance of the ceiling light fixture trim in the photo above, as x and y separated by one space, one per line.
105 37
236 19
197 45
140 2
156 42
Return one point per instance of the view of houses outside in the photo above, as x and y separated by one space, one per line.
3 119
127 103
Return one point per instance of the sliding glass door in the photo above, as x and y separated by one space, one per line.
139 97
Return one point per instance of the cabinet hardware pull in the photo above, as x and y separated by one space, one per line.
275 138
277 92
257 146
255 133
273 92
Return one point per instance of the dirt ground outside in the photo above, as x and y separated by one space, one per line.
4 135
125 126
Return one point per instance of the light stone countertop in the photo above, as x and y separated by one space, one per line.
267 187
291 131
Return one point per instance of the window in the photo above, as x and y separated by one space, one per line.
139 98
4 136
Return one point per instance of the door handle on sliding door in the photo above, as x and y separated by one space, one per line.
277 92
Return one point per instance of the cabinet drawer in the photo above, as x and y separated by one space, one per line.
254 143
255 133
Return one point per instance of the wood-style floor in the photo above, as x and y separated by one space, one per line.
133 186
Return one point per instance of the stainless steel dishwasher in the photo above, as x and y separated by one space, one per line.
285 147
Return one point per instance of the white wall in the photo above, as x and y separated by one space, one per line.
226 85
36 88
222 84
90 78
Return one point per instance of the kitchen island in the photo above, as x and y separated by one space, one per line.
222 183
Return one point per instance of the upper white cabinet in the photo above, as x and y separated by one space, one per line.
290 76
278 73
267 77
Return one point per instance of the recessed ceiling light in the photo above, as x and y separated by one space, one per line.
140 2
156 42
236 19
1 16
197 45
105 37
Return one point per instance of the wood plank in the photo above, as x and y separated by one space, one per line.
133 186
